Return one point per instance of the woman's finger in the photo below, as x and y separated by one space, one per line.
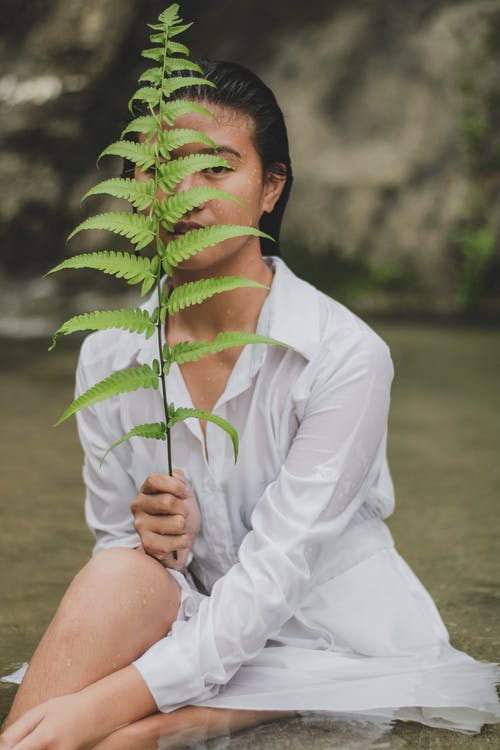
162 504
35 740
20 728
163 525
158 544
158 482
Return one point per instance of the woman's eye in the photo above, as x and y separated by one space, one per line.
213 170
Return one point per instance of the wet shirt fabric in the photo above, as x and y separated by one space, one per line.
293 556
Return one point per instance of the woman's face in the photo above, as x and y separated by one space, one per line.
232 132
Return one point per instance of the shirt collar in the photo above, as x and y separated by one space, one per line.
290 314
294 311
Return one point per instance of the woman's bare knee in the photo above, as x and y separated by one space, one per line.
121 586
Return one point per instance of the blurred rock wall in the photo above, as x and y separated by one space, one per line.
371 92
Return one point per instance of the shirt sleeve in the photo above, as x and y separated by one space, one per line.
334 458
109 488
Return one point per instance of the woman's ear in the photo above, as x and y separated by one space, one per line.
273 187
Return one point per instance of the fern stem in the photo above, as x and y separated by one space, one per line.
162 377
158 284
163 383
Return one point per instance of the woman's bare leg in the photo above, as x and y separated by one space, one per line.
119 604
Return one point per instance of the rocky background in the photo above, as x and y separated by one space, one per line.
393 112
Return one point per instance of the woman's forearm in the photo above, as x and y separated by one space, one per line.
79 720
117 700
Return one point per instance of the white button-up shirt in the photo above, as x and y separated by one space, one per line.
312 425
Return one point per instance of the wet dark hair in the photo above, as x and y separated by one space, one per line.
242 90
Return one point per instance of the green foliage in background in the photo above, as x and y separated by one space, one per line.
475 240
158 86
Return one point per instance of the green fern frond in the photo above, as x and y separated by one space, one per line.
170 85
183 413
195 292
134 268
142 154
130 319
191 351
172 139
122 381
139 229
140 193
153 430
171 209
198 239
173 172
162 79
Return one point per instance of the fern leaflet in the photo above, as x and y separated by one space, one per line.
139 229
182 413
179 29
134 268
195 292
147 94
151 75
179 63
190 351
170 85
197 239
170 15
142 154
172 139
133 320
173 172
122 381
143 124
177 48
153 53
172 209
153 430
177 107
140 193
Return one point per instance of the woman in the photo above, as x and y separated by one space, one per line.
286 593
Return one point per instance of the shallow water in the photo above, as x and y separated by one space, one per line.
444 455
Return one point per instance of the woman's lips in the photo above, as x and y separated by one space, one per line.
180 229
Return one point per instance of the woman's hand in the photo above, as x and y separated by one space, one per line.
167 518
77 721
56 723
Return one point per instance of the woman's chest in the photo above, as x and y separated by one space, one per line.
258 401
206 379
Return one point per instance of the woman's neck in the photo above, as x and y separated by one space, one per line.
236 310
